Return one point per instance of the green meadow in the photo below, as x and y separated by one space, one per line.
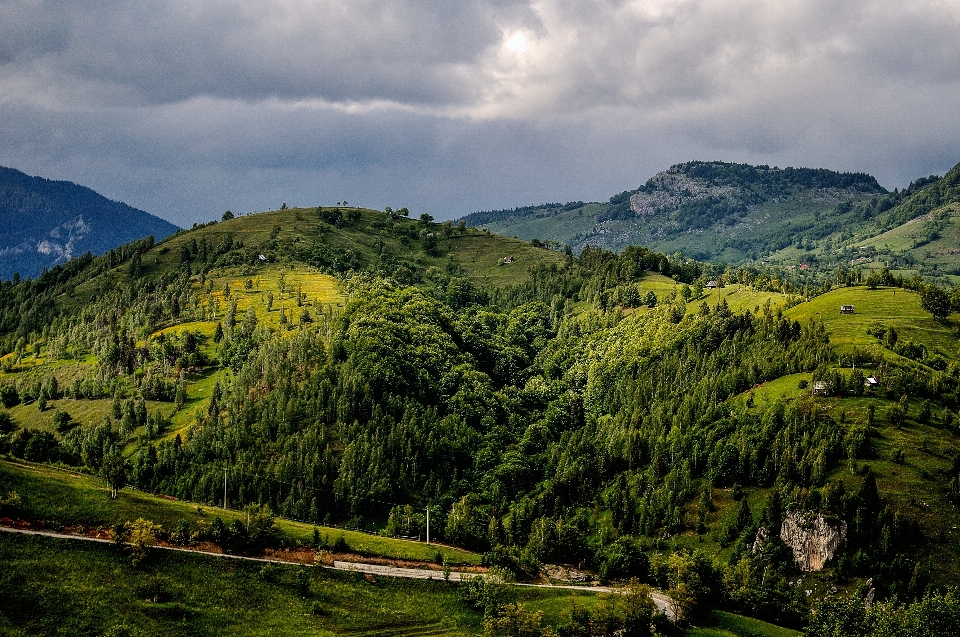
892 307
64 498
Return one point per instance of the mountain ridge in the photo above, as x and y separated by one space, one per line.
45 222
709 210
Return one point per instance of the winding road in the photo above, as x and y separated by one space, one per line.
661 601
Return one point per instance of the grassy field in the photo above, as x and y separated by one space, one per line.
931 241
74 499
46 588
724 624
891 307
739 298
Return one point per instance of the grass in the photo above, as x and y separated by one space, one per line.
739 298
478 256
74 499
892 307
723 624
930 241
46 588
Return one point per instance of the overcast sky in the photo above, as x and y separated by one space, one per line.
187 108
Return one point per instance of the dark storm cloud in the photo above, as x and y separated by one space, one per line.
164 51
188 107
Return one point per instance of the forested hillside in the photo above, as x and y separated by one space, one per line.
737 213
44 223
708 210
636 414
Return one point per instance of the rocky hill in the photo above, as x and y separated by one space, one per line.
708 210
44 223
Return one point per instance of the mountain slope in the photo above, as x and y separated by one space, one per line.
708 210
45 222
915 231
357 367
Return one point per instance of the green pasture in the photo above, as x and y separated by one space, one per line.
478 257
73 499
890 307
46 588
723 624
739 298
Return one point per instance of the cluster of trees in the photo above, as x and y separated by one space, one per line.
854 616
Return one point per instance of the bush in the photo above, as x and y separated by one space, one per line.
340 545
141 535
42 446
488 593
61 420
6 422
10 501
181 533
9 396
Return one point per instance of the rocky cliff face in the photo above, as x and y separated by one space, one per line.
668 190
811 538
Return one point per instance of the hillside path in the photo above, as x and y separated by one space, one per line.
661 601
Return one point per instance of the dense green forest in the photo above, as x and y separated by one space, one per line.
571 412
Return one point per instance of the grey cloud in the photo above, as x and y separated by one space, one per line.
407 51
185 108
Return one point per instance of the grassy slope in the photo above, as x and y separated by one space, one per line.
917 486
891 307
942 253
75 499
929 242
46 589
723 624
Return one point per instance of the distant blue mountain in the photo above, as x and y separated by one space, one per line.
45 222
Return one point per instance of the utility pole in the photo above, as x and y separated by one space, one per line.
428 525
224 488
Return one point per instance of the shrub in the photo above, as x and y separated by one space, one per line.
9 396
6 422
488 593
61 420
181 533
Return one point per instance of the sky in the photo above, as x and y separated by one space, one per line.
187 108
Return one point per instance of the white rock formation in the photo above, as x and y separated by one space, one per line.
811 538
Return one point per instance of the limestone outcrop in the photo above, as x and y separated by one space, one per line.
812 538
